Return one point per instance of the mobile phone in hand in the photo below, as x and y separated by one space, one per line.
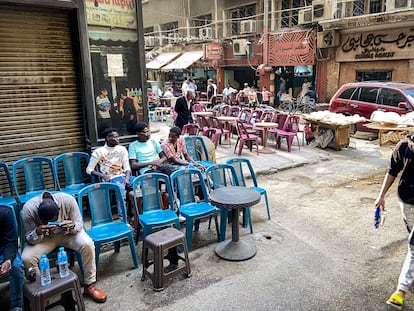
53 223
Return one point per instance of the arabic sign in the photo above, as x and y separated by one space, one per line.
212 51
112 13
292 48
374 46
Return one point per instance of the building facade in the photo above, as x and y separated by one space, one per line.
328 42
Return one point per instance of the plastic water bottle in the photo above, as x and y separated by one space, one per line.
63 263
44 270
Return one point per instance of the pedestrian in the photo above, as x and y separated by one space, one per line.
130 108
265 96
43 238
402 161
103 108
211 93
11 265
306 85
183 107
252 98
282 89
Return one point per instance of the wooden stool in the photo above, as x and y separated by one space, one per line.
161 242
36 295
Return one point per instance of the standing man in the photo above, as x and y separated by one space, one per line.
183 107
103 108
113 165
11 264
42 238
211 93
402 161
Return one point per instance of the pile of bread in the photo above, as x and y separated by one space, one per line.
328 117
393 118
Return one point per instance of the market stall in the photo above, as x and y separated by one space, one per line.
331 129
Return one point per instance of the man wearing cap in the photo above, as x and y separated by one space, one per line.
42 238
183 107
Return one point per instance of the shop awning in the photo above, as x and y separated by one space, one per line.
161 60
184 61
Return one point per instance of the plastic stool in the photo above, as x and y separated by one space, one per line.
161 242
36 295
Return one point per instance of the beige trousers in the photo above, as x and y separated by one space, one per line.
80 242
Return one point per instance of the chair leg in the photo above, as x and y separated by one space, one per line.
133 252
117 245
189 233
223 223
241 146
267 206
217 227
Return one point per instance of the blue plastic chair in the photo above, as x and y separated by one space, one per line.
244 169
224 175
72 165
103 228
196 149
153 216
8 199
37 177
183 183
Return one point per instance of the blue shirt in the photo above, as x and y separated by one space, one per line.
144 152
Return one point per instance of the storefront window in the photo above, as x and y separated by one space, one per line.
113 39
368 75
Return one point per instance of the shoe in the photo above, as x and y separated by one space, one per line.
181 218
396 301
96 294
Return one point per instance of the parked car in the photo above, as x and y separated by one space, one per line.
364 98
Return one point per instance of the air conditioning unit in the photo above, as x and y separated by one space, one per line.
321 10
239 47
248 26
393 5
149 41
327 39
205 33
305 16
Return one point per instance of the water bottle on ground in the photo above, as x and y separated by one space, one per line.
63 263
44 270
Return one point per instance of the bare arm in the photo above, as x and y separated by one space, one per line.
387 183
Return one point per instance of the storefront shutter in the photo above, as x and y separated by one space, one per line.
40 108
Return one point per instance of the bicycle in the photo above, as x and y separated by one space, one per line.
306 104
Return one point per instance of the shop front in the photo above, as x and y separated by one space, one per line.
376 55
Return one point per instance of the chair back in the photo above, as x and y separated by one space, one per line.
293 124
199 107
196 148
6 189
245 114
99 199
73 165
225 110
151 186
242 130
190 129
37 173
234 111
267 116
183 182
221 175
243 168
280 119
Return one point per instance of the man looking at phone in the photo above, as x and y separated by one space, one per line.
43 236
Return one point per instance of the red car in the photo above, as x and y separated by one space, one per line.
364 98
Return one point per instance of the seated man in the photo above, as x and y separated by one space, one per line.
146 155
11 264
176 151
113 165
42 238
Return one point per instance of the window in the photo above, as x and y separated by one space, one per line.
235 15
347 94
368 95
373 75
290 9
202 20
390 97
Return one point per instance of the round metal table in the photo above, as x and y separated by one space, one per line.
235 198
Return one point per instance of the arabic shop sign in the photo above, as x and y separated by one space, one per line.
377 46
292 48
112 13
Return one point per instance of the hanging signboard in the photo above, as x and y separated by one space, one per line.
115 67
112 13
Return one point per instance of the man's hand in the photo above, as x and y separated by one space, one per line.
67 225
45 229
5 267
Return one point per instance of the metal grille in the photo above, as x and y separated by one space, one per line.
40 109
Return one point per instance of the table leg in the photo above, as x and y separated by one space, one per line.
265 149
234 249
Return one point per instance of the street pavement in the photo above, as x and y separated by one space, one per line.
323 256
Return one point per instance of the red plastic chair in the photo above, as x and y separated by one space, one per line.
219 131
190 129
289 133
245 137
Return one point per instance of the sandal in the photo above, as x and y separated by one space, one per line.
396 301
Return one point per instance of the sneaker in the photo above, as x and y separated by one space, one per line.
181 218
